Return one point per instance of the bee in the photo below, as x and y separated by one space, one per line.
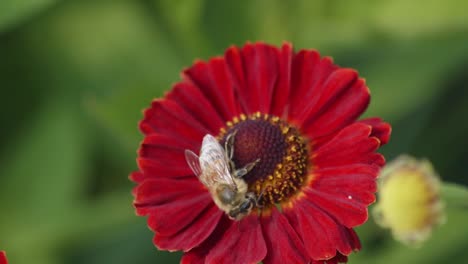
216 170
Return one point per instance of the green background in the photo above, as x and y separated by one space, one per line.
75 75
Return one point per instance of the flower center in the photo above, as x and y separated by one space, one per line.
282 151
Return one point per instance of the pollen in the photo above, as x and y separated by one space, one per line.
282 152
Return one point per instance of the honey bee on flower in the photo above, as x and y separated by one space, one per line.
216 170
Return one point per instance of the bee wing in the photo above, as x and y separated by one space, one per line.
214 163
193 162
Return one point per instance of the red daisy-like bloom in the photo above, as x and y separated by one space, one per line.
3 258
294 111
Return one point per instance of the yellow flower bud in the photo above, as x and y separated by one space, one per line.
409 200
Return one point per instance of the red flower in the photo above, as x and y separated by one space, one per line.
296 113
3 258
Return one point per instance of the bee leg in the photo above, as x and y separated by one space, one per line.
246 169
232 167
252 198
229 149
229 144
259 197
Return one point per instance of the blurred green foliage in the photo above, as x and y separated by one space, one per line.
75 75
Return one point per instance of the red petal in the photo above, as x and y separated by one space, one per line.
315 228
162 155
351 145
255 70
181 213
192 99
160 148
156 168
169 219
193 256
169 141
335 260
243 242
166 151
191 233
198 254
348 212
322 235
332 88
163 192
282 241
356 181
346 99
213 79
355 243
168 117
309 72
280 103
380 129
137 176
3 258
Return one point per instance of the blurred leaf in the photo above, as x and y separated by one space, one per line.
41 176
128 244
412 18
322 23
46 163
44 180
181 22
111 51
228 22
273 20
13 12
101 46
404 75
38 242
445 130
373 238
120 112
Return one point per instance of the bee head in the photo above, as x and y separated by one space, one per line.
244 208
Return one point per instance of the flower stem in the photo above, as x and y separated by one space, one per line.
455 196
